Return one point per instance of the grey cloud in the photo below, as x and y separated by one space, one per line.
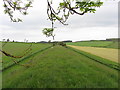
106 16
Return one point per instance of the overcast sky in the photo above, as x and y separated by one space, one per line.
95 26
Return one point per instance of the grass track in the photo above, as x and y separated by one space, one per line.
62 68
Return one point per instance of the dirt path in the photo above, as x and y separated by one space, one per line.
108 53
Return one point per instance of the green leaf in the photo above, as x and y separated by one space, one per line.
27 5
62 4
5 11
4 5
57 17
25 13
86 9
81 9
18 8
15 3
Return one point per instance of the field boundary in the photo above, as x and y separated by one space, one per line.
25 58
100 60
97 43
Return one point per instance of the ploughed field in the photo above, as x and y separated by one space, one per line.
45 66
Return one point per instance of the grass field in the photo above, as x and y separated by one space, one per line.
108 53
57 67
18 49
105 44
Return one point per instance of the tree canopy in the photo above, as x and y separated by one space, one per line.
70 7
61 14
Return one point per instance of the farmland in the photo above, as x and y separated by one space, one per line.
19 49
55 67
97 43
108 53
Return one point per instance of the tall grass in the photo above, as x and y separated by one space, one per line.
98 59
59 67
18 49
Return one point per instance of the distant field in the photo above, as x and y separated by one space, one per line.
56 67
108 53
105 44
19 49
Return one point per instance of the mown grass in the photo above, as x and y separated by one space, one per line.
19 49
105 44
59 67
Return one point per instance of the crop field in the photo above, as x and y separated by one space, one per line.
105 44
19 49
55 67
108 53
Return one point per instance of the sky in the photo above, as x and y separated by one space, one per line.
91 26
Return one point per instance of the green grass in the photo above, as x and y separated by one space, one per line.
105 44
98 59
18 49
60 67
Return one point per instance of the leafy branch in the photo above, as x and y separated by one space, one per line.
48 32
11 6
64 10
70 7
